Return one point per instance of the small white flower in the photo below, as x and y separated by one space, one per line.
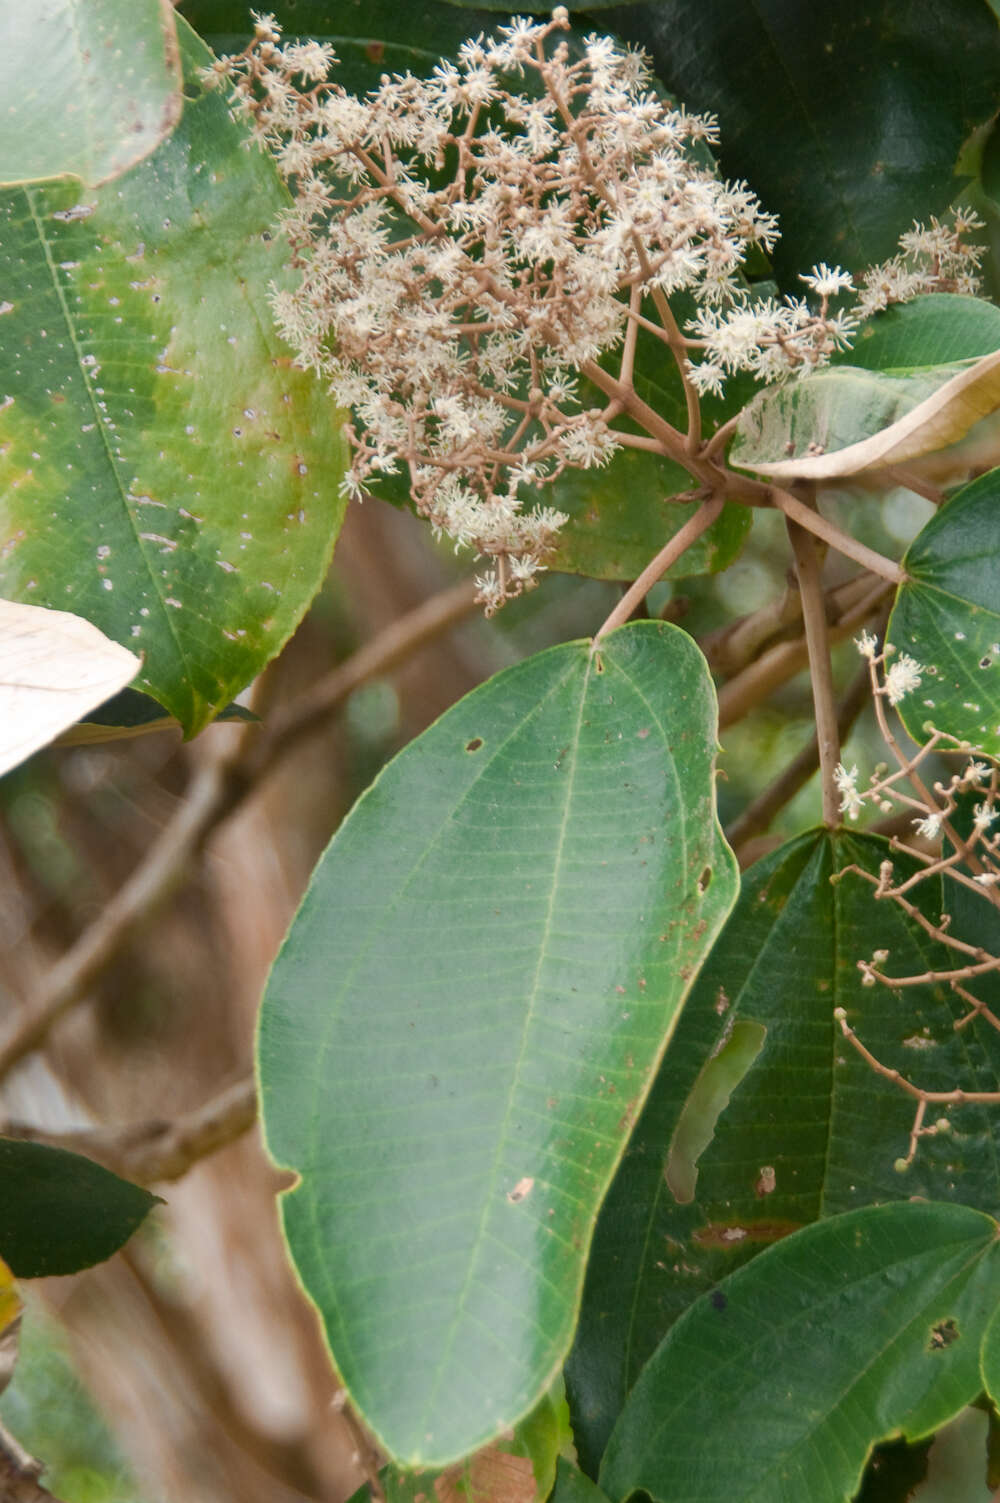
867 645
930 827
904 675
827 280
846 781
984 816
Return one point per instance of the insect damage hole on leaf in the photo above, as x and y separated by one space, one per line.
710 1094
943 1334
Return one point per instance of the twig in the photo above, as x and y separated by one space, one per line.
923 1098
807 568
216 791
730 648
365 1453
669 554
832 534
782 662
760 812
19 1473
150 1153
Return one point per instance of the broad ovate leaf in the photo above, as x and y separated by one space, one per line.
947 617
751 1127
89 87
466 1015
62 1212
164 472
847 421
54 668
776 1386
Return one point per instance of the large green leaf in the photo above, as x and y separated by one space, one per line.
846 120
60 1212
937 329
809 1130
90 87
947 616
466 1015
775 1387
166 474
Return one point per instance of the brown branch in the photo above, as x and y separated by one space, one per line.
923 1098
730 648
758 814
217 789
150 1153
832 534
19 1473
668 554
807 567
782 662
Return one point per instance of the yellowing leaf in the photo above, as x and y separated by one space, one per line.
850 421
10 1324
54 667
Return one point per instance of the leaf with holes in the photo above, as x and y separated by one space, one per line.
166 474
779 1383
753 1126
107 94
947 616
467 1012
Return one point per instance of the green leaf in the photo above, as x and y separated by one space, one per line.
947 615
847 121
466 1015
90 87
809 1129
133 714
168 476
62 1212
574 1486
519 1467
937 329
990 1357
845 421
778 1385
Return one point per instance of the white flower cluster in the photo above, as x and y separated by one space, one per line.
932 259
771 338
468 243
